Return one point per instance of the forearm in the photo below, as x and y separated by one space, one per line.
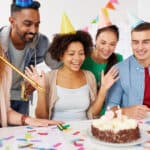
98 103
41 108
14 118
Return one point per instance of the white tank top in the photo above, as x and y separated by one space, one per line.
72 103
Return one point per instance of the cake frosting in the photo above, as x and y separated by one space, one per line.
120 129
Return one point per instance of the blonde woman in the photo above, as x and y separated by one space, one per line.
8 115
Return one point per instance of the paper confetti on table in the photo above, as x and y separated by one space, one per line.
8 138
57 145
42 133
1 143
28 136
147 122
25 146
76 133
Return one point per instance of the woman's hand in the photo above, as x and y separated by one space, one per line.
41 122
109 78
33 74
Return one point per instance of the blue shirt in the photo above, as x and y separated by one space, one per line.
129 89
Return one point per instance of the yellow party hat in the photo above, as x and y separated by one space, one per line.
66 25
104 20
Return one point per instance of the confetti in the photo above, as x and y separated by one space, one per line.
43 133
1 144
29 127
8 138
57 145
21 139
24 146
76 133
147 122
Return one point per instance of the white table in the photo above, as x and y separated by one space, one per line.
76 137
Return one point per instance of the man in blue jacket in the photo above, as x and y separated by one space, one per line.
24 45
132 90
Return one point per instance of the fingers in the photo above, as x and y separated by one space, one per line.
116 78
102 74
143 108
54 122
113 72
31 72
137 112
42 74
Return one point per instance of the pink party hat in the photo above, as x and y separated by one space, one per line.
134 20
66 25
104 20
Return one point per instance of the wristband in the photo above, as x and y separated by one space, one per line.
23 119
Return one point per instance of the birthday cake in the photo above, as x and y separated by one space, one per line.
118 129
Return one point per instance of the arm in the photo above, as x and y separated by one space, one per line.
106 82
41 109
16 118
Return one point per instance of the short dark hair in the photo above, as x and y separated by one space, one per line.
112 28
15 8
61 42
141 27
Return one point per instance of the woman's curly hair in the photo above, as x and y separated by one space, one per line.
61 42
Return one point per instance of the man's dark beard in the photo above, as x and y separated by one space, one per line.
23 37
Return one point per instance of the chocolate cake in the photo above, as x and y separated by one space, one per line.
115 130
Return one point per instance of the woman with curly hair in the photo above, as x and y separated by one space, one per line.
71 93
7 114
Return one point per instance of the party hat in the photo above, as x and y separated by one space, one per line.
134 20
104 20
66 25
24 3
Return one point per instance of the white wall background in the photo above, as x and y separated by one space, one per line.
82 12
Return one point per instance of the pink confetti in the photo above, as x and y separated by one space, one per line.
140 122
81 148
57 145
9 138
76 133
43 133
77 144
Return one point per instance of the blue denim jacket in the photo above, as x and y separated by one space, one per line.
129 89
34 54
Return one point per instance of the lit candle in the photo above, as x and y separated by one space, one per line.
119 113
109 114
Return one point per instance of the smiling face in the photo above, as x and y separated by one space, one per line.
25 25
141 46
73 56
105 44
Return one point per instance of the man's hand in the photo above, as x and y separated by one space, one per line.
137 111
